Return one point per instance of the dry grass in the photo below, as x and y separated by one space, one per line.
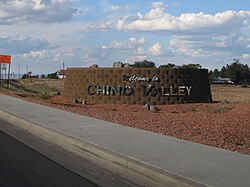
230 93
36 86
43 85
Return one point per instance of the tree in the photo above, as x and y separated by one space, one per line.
42 76
213 74
192 66
222 72
169 65
237 72
216 73
24 76
144 63
53 75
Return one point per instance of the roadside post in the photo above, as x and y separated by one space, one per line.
6 59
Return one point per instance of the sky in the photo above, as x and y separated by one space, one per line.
44 34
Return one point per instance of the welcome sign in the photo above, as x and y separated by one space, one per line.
137 85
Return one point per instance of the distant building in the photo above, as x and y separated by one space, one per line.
220 80
62 74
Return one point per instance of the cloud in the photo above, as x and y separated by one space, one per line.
155 50
16 11
211 51
127 50
130 43
199 37
156 20
139 51
21 44
120 8
132 59
89 60
36 54
246 56
160 5
141 40
210 45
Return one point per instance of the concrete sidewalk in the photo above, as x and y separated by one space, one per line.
207 165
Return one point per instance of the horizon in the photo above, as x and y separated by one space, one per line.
41 73
44 35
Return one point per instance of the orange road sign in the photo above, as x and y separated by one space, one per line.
5 59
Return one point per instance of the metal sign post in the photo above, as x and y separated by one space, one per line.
0 73
8 77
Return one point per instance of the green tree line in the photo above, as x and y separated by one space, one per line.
237 72
150 64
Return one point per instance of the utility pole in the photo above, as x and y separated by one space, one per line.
27 70
19 71
63 70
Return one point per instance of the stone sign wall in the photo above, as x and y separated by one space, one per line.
156 86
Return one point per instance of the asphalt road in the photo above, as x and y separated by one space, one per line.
20 166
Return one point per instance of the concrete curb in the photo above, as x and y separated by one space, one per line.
143 173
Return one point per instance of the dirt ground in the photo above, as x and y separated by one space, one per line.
223 124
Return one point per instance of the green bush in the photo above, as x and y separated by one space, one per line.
144 64
44 96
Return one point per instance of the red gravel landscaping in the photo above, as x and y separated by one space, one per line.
223 125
